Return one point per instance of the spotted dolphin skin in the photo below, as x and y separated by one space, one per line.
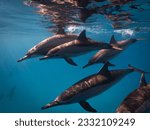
105 55
137 101
79 46
90 86
44 46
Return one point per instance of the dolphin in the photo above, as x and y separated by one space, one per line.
137 101
44 46
79 46
105 55
91 86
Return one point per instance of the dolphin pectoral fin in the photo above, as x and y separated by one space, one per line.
70 61
85 105
87 65
21 59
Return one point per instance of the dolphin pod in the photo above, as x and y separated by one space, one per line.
44 46
138 100
91 86
105 55
79 46
65 45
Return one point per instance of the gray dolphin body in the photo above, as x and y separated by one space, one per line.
138 100
80 46
90 87
105 55
44 46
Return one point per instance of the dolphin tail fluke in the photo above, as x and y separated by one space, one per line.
137 69
44 58
52 104
21 59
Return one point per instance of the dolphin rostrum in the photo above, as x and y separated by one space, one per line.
105 55
138 100
79 46
90 86
44 46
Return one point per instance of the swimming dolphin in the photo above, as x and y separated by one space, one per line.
76 47
44 46
105 55
138 100
90 86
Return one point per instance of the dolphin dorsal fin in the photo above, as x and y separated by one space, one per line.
113 40
60 31
82 35
104 69
143 80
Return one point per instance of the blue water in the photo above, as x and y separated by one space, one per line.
28 85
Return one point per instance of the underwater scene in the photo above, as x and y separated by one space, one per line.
74 56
